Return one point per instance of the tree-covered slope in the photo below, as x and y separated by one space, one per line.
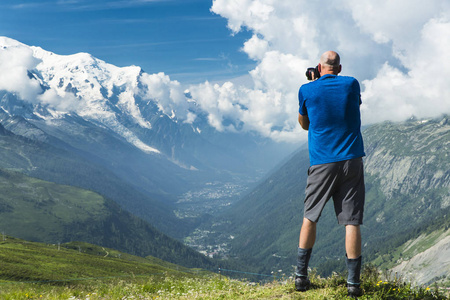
63 166
42 211
265 223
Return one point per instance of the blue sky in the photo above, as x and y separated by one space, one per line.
181 38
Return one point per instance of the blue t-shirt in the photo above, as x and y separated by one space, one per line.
332 106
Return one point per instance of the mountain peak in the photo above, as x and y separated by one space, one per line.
6 42
77 84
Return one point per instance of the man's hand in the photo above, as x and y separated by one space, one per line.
304 121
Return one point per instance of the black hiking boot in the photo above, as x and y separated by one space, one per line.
354 291
302 283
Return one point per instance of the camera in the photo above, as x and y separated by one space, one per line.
313 73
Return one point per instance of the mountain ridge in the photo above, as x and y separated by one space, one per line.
143 128
126 100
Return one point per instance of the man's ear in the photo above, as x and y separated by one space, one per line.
340 69
319 68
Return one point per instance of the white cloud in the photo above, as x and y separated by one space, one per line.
168 94
397 21
64 103
246 109
256 47
423 91
15 61
395 48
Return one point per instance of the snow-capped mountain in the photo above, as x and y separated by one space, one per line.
144 127
90 88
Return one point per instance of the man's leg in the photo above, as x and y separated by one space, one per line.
349 207
320 187
306 242
353 241
307 234
353 249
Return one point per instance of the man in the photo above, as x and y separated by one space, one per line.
329 110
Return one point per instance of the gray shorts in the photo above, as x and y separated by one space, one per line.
344 181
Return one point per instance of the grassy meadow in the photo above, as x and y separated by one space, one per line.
85 271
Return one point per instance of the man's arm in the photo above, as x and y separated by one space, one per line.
304 121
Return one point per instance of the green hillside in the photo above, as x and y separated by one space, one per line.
63 165
86 271
42 211
407 188
24 261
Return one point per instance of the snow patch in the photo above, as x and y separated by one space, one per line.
144 147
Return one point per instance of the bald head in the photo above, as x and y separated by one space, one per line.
330 63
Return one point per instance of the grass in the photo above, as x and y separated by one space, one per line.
85 271
24 261
209 287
